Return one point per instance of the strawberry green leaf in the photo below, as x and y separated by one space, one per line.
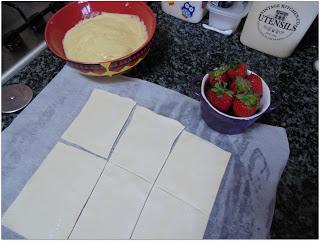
218 72
220 88
230 93
224 85
249 100
224 68
242 85
239 96
234 64
259 106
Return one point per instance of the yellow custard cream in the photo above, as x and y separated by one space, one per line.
104 37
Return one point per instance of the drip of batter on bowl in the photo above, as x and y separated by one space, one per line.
104 37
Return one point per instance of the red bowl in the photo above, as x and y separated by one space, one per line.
71 14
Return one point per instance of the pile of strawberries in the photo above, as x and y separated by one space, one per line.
234 92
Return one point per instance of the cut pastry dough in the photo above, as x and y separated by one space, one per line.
114 206
146 143
166 217
100 121
193 171
51 201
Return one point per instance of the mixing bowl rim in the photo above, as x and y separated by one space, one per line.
153 28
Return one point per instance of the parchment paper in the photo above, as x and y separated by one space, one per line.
245 202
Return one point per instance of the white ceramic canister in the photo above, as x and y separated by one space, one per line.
276 28
227 18
190 11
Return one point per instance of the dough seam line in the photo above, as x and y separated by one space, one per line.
124 127
144 204
106 159
180 199
68 143
131 172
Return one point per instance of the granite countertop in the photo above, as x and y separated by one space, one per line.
183 52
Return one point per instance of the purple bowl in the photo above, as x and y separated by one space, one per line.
228 124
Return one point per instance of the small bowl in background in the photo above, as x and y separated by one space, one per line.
74 12
228 124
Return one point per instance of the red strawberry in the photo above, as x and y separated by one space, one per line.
237 69
220 97
256 84
217 75
240 86
246 105
212 81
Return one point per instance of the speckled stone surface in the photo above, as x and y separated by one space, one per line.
183 52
